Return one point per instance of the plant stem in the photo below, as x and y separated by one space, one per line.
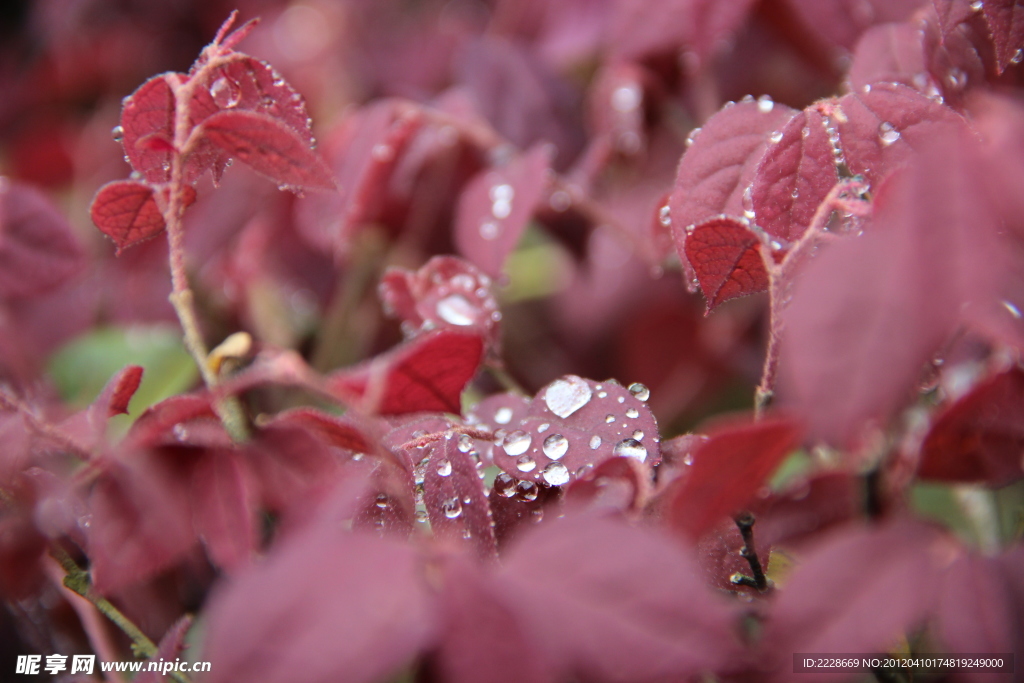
228 408
745 522
77 579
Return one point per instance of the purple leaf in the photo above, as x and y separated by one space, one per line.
614 603
891 53
496 205
454 495
1005 19
224 515
794 176
149 112
841 22
332 605
270 147
952 13
38 249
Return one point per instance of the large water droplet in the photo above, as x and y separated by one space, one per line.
776 137
117 132
456 310
638 434
465 443
595 442
225 92
631 448
556 474
639 391
567 395
516 443
555 446
632 413
765 104
444 468
526 464
503 415
527 490
887 134
452 508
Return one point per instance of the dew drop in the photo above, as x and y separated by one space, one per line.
489 230
1017 57
501 208
957 78
621 399
585 470
381 501
180 432
688 459
626 98
805 132
525 464
765 104
776 137
516 443
639 391
527 491
638 435
455 309
609 418
555 474
887 134
543 427
631 448
692 136
977 5
1014 311
225 92
537 515
602 394
560 201
567 395
501 193
117 132
421 516
503 415
444 468
632 412
555 446
505 485
595 442
866 89
665 216
452 508
465 443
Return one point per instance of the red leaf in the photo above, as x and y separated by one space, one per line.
332 606
574 424
727 471
165 421
146 112
424 374
38 249
388 506
857 592
223 512
841 22
340 432
980 438
794 176
140 523
1005 19
726 257
516 505
718 552
868 312
611 602
454 496
880 129
114 398
641 30
446 292
891 53
126 212
483 640
364 155
976 610
496 205
270 147
952 13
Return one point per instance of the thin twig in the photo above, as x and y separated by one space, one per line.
745 522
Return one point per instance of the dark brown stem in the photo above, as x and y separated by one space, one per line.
745 523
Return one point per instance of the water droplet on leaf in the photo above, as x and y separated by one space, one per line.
455 309
632 412
567 395
489 230
595 442
527 490
505 485
444 468
117 132
516 443
452 508
503 415
631 448
887 134
555 446
526 464
556 474
639 391
225 92
626 98
765 104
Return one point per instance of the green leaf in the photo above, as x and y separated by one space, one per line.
83 366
